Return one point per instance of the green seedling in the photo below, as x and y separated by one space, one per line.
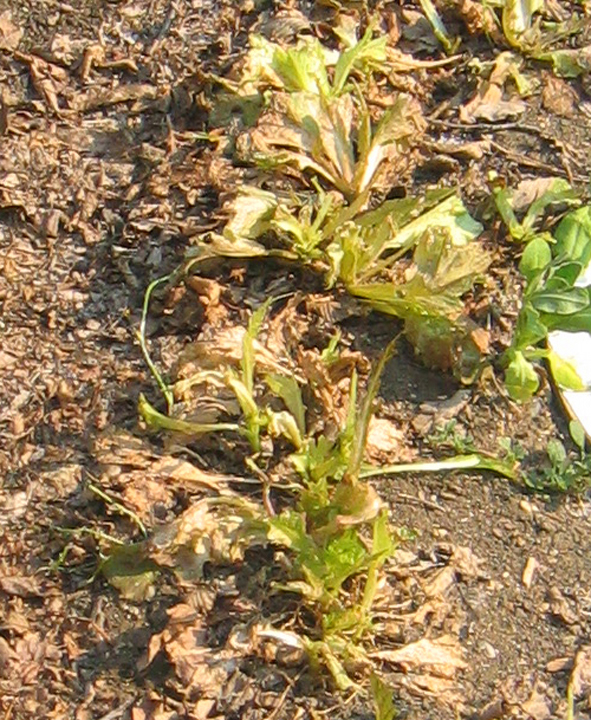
448 435
564 473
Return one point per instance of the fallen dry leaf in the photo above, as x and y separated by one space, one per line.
580 679
10 34
531 566
490 101
443 656
559 96
537 706
560 606
462 564
385 441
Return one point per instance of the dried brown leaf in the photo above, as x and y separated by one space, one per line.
443 656
527 577
537 706
10 34
385 441
580 679
490 103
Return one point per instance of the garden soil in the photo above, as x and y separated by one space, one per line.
105 182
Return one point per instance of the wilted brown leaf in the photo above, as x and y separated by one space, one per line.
537 706
10 34
443 656
385 441
580 679
490 101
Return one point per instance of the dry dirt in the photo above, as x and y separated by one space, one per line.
104 180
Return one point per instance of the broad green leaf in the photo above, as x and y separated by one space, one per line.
568 271
562 302
579 322
556 452
536 256
577 433
521 379
564 372
529 329
573 236
288 389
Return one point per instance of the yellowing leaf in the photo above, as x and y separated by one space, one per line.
518 20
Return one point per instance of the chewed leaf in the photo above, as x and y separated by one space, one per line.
531 197
401 122
518 20
249 213
450 215
521 379
130 570
569 63
564 372
573 236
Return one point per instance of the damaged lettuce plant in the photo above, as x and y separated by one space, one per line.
325 515
414 258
